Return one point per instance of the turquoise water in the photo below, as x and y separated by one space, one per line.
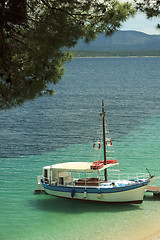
63 128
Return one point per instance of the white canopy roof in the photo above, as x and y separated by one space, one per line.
78 167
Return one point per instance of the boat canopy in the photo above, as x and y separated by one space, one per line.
79 167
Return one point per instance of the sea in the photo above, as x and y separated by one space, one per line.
63 128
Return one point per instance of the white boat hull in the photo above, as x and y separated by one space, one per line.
115 195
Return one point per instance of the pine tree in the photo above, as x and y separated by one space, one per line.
34 34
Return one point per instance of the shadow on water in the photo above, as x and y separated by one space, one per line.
53 204
151 198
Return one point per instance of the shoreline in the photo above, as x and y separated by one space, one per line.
118 53
119 57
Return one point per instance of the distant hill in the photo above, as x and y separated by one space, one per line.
121 41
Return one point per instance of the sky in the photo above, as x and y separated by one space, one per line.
141 23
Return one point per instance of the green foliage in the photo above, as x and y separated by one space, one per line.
33 35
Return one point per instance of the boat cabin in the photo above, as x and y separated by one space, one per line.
75 173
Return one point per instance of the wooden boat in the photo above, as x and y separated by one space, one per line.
90 181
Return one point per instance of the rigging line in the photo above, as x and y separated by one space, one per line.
112 153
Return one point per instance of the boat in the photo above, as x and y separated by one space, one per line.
90 181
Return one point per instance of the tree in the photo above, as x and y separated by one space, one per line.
150 7
34 34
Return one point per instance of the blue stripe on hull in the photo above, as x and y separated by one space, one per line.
97 189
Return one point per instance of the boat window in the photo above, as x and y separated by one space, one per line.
61 180
45 173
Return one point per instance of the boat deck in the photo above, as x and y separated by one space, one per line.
88 182
154 189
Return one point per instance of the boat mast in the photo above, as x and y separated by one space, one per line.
104 139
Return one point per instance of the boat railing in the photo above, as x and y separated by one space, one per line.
128 176
115 174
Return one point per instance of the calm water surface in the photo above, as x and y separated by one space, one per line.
63 128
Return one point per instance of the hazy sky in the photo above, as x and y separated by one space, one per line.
142 24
